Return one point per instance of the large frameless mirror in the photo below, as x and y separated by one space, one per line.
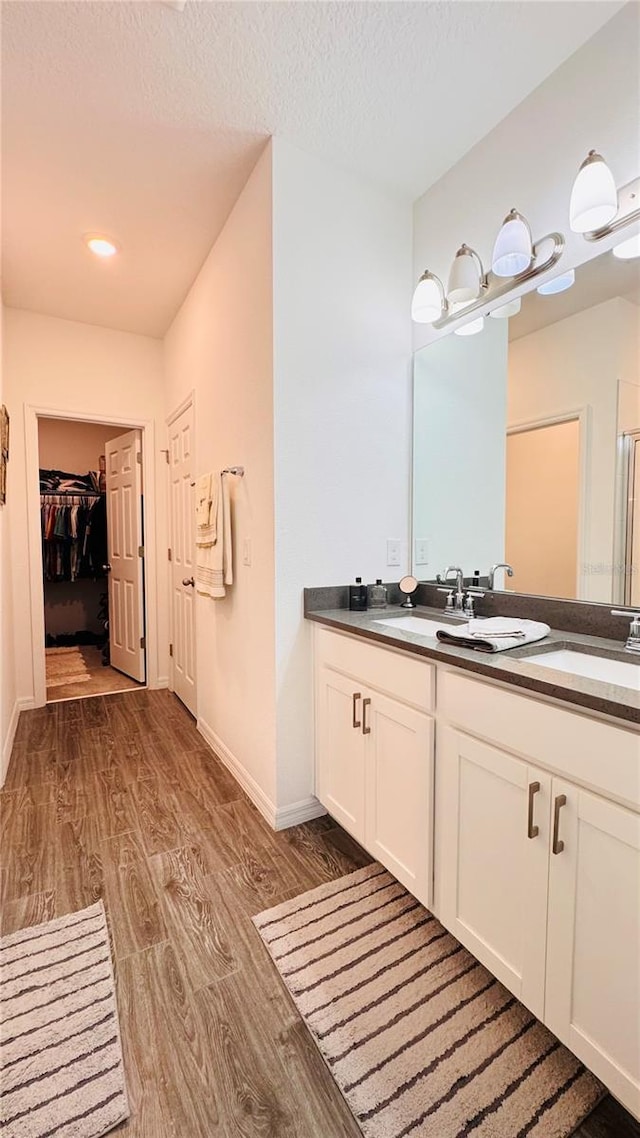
527 442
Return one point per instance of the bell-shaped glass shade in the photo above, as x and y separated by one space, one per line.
512 252
470 329
511 308
465 277
628 249
594 198
426 305
558 284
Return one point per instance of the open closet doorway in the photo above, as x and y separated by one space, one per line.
92 557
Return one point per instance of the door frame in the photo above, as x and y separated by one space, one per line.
583 416
32 413
188 402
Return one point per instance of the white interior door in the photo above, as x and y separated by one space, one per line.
182 568
126 552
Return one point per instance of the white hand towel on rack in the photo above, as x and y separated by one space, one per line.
214 562
207 497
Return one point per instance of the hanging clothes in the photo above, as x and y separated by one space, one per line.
69 518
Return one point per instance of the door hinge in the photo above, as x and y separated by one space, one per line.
143 642
141 551
139 457
169 555
171 649
166 456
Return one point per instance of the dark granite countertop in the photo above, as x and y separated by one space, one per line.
511 667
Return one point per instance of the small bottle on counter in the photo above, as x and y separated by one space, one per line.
378 595
358 596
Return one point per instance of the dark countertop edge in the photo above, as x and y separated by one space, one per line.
471 661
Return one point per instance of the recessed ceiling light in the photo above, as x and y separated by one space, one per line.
101 246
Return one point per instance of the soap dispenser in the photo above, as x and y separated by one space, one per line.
358 596
378 595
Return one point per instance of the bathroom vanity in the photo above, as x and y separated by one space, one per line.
506 796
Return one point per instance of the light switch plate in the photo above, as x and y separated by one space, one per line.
421 551
393 551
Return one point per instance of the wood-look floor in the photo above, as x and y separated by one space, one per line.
118 797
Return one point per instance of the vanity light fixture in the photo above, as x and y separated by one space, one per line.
511 308
470 329
513 250
100 245
429 301
594 198
558 284
628 249
467 279
597 208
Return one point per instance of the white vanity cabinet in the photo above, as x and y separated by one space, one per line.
532 829
493 817
374 752
538 876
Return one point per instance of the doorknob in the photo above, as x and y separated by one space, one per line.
106 568
188 581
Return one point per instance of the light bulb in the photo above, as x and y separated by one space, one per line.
557 284
511 308
594 198
470 329
428 299
628 249
513 251
101 246
465 277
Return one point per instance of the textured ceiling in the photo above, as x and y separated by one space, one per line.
143 122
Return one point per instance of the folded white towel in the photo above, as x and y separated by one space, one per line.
214 561
207 498
495 634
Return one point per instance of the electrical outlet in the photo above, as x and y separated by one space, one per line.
422 551
246 551
393 551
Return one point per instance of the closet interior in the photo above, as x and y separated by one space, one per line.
75 559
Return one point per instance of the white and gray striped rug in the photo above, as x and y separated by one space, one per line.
420 1038
60 1053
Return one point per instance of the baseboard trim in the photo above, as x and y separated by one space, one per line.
7 747
297 812
255 792
159 682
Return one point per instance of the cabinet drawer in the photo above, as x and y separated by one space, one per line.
396 673
588 751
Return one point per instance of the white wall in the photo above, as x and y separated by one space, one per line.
8 689
531 158
460 420
572 364
70 367
342 407
220 346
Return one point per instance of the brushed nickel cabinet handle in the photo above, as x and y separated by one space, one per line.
356 696
532 830
365 704
558 844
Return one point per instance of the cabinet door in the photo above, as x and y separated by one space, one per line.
593 950
399 791
493 814
340 749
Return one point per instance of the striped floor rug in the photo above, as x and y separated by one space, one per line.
420 1038
60 1056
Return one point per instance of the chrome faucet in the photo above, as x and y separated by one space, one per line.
458 607
633 638
494 569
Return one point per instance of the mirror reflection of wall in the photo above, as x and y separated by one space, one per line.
529 451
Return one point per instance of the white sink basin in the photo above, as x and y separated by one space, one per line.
419 624
627 675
